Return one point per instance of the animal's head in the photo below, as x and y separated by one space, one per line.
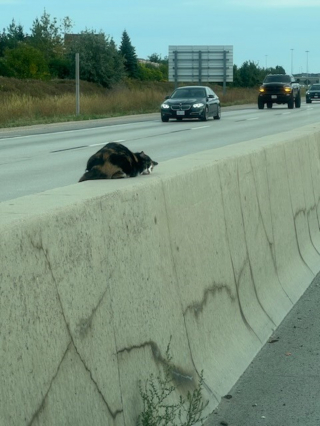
146 163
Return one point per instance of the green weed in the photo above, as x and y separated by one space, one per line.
157 395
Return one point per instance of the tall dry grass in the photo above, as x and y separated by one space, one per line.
19 109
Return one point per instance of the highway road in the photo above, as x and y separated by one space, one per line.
37 158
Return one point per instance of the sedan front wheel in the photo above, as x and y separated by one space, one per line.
204 116
218 115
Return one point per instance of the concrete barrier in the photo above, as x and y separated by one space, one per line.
213 249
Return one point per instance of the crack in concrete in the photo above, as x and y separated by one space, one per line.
41 249
178 373
313 207
247 249
295 215
313 180
272 228
309 211
85 323
42 404
197 307
270 243
236 279
209 390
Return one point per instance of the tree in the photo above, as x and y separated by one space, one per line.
155 58
10 38
25 61
45 36
129 54
249 74
48 37
100 61
148 72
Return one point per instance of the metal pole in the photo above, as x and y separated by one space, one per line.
224 71
77 85
307 51
292 61
175 61
200 66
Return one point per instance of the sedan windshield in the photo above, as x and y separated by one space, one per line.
188 93
315 87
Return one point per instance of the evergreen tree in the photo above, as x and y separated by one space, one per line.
46 37
10 37
129 54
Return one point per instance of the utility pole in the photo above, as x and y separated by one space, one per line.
307 51
77 85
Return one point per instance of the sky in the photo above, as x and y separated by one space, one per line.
268 33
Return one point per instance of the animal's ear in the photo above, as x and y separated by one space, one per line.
155 163
142 153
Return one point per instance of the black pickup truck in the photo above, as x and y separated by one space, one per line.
279 89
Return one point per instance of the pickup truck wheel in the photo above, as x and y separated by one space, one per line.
297 101
290 103
269 105
260 104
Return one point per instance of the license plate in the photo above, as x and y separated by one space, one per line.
315 96
180 112
273 96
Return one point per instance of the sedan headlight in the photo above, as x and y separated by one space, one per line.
198 105
307 93
165 106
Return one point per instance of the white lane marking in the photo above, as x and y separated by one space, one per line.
71 130
197 128
104 143
253 118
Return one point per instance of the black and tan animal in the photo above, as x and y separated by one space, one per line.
115 161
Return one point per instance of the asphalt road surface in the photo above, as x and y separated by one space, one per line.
38 158
281 387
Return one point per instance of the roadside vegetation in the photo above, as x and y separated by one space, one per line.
26 102
159 408
37 75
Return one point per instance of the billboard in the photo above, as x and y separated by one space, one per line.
198 64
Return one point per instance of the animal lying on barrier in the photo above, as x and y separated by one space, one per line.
115 161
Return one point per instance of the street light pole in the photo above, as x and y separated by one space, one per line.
292 61
307 51
266 61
